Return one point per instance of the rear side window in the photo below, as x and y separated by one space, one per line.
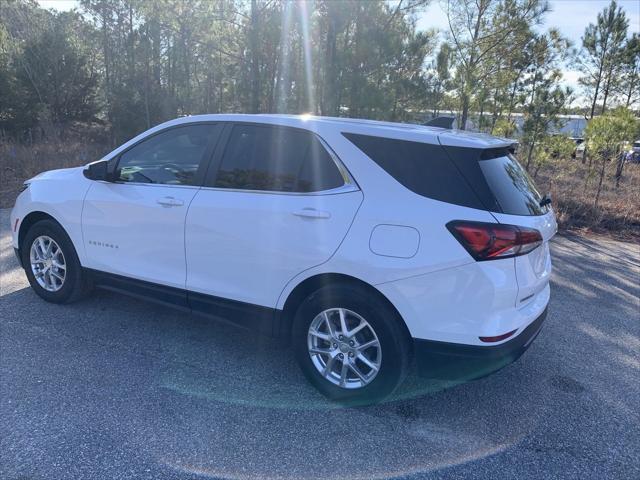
423 168
490 179
276 159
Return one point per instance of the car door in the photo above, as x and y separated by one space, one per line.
276 202
134 225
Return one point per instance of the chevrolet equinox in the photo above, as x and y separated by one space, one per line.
370 246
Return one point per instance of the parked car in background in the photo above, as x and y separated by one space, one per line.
580 148
364 244
635 152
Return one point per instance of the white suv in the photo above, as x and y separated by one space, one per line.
367 244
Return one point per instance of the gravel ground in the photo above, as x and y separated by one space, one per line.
114 388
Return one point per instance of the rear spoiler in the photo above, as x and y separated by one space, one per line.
441 122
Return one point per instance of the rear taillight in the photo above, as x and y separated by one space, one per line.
490 241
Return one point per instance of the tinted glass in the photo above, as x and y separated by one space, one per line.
276 159
171 157
514 190
421 167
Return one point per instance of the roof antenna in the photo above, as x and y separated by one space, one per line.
441 122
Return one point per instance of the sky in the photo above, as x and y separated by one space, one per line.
570 17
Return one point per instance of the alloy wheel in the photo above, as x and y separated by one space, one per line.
48 263
344 348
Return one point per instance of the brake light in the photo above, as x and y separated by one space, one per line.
490 241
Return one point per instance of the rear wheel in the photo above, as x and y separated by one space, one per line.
350 344
51 263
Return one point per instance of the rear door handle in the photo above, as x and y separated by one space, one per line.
311 213
170 202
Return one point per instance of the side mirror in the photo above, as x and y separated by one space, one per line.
98 171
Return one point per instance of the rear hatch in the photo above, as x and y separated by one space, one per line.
509 193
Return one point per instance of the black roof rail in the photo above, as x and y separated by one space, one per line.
441 122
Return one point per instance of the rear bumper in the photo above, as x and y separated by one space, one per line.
457 361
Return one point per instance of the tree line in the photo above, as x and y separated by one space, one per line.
126 65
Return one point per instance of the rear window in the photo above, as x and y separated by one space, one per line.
423 168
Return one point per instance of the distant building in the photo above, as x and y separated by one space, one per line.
572 125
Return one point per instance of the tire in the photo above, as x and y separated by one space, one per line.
74 284
357 304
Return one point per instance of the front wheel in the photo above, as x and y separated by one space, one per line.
350 344
51 263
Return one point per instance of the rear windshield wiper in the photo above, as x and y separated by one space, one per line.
546 200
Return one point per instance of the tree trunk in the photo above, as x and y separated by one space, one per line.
607 87
132 57
354 105
531 147
530 154
595 98
107 71
632 87
329 106
481 115
620 167
598 81
465 111
602 169
255 59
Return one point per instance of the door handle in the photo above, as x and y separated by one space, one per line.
311 213
170 202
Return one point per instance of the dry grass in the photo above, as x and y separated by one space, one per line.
572 185
21 162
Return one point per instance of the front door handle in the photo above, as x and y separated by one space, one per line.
311 213
170 202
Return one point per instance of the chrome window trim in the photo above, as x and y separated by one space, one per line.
149 184
346 174
346 188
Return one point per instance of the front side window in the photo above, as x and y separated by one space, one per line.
171 157
276 159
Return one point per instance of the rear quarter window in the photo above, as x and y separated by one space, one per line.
514 190
423 168
498 178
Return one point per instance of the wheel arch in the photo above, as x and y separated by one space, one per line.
31 219
315 282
